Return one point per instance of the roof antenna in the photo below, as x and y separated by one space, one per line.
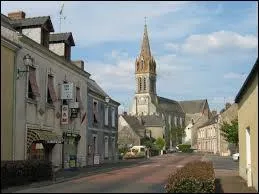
61 17
145 20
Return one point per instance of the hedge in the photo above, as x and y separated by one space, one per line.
20 172
194 177
185 148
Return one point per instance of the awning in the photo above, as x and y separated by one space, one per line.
43 135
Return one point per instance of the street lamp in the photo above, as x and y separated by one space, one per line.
27 61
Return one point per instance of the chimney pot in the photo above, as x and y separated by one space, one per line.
17 15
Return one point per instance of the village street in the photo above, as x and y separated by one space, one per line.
148 176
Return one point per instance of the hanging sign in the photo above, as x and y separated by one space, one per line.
64 114
67 91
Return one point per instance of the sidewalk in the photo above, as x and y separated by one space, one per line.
228 180
70 174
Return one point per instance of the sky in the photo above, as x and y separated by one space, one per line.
203 50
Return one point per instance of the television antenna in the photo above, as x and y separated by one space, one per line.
61 17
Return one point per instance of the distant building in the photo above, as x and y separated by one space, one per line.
165 114
247 100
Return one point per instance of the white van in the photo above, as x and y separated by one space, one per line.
139 149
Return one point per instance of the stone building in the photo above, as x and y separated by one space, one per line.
41 130
102 125
146 102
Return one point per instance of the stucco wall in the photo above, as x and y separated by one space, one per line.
248 117
7 101
33 33
58 48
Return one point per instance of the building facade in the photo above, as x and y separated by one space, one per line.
247 100
102 125
44 126
8 88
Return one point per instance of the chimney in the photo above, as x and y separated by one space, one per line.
19 15
79 64
125 113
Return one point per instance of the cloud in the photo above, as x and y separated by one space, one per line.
218 41
232 75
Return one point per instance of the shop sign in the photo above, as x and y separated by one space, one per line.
73 112
64 114
96 159
67 91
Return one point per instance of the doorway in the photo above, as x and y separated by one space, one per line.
248 157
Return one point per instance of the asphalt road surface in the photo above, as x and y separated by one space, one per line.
149 176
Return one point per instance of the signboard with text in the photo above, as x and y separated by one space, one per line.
64 114
67 91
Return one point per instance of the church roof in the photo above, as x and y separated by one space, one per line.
211 121
193 106
135 124
165 104
152 120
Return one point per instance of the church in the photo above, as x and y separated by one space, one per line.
156 114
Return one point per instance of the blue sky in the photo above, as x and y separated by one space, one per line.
202 49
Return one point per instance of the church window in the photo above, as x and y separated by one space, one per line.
142 63
140 84
144 83
137 66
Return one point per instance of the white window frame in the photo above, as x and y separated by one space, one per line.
106 146
175 121
113 117
106 116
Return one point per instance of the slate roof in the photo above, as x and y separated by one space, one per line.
134 123
248 80
152 120
5 21
92 85
62 37
34 21
193 106
211 121
166 104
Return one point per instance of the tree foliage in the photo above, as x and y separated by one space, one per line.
148 142
230 131
160 143
177 134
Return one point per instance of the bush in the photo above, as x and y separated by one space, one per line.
185 148
194 177
21 172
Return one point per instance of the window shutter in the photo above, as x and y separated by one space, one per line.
79 98
33 82
51 89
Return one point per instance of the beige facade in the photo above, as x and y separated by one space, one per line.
247 100
8 77
38 116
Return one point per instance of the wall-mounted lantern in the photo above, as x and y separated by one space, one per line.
27 61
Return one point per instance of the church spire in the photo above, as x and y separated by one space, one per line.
145 48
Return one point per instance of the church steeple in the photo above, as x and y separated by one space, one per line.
145 47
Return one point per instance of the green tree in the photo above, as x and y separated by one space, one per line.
177 134
230 132
148 142
160 143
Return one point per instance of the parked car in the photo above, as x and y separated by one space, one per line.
235 156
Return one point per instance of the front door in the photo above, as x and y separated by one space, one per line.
248 158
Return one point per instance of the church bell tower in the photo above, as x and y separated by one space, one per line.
145 76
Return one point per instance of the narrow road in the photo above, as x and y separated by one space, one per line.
150 176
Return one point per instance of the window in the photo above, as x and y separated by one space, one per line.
45 38
33 89
113 117
51 94
140 84
175 121
106 147
144 83
95 111
106 115
181 121
78 97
